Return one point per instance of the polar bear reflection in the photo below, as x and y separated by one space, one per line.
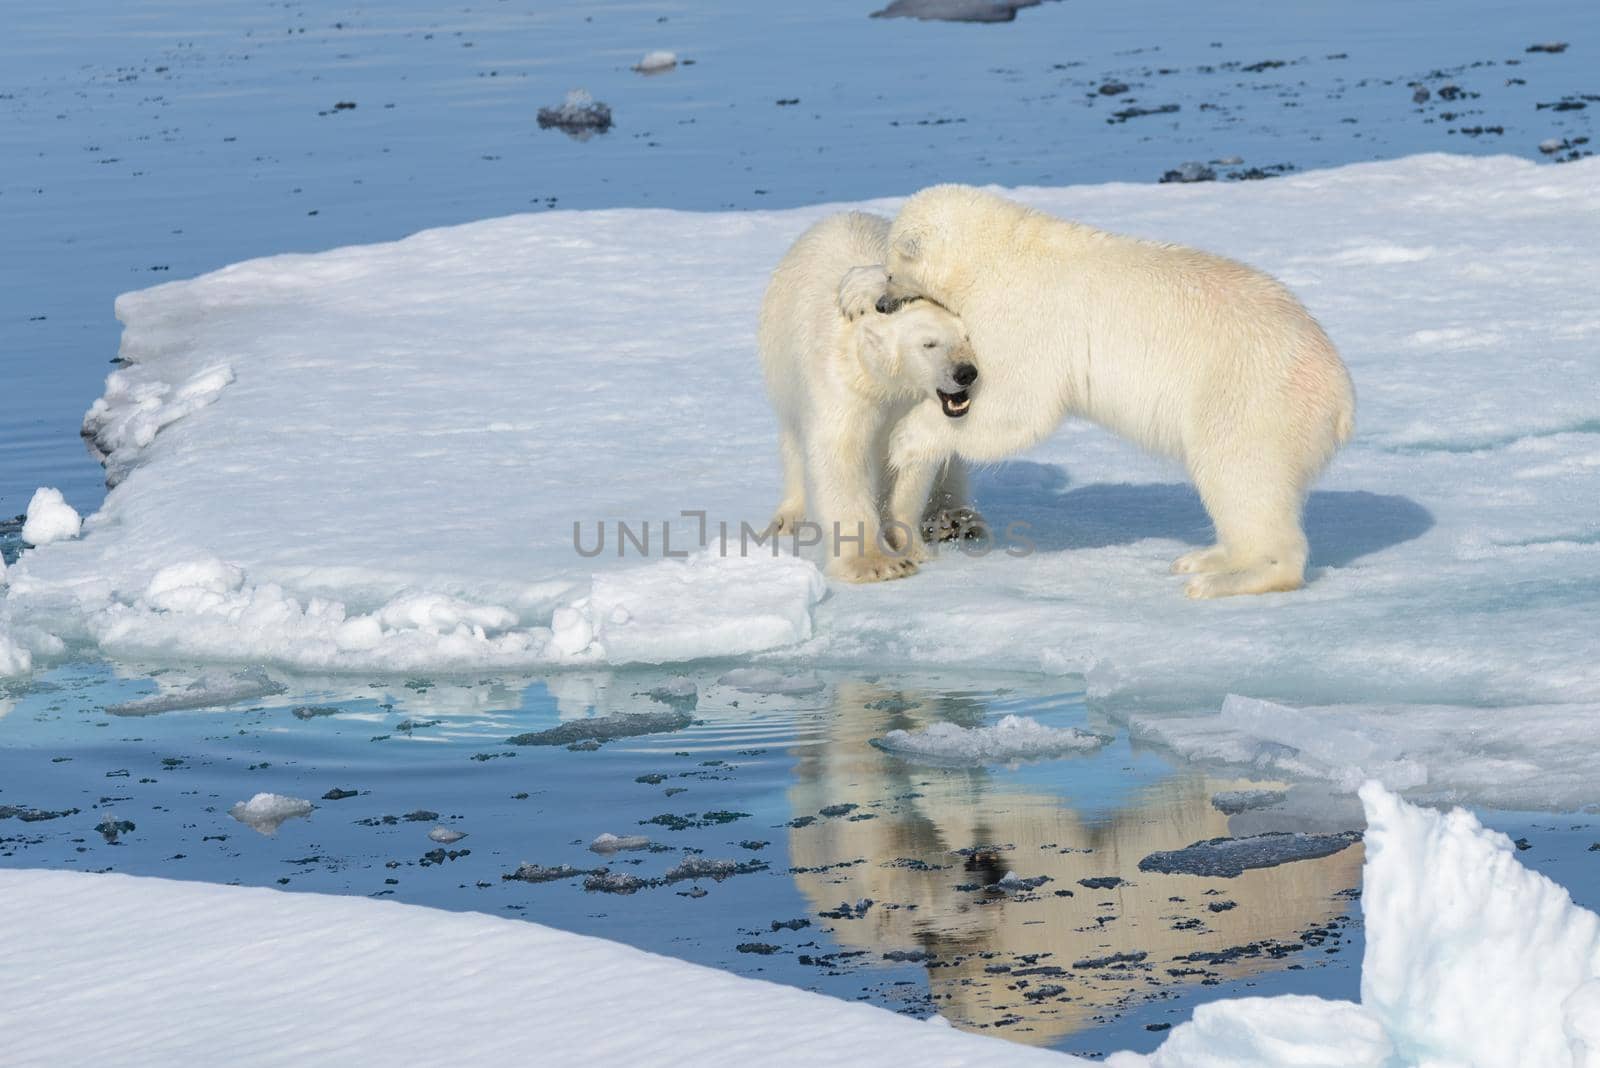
980 942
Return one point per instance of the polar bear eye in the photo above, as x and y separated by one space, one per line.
930 344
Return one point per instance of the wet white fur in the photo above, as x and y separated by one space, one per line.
1189 354
841 386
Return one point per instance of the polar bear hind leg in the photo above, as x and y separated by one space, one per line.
1261 547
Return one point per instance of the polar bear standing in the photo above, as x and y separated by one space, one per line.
839 388
1189 354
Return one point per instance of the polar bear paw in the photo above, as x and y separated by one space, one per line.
1202 561
955 524
1266 578
873 567
860 290
786 521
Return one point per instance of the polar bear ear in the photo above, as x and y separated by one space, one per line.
879 356
908 246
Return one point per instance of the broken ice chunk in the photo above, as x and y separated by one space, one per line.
264 812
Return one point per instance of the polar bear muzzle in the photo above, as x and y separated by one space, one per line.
955 405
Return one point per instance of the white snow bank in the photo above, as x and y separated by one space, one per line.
1011 738
50 518
111 969
1292 1030
15 659
1471 960
403 422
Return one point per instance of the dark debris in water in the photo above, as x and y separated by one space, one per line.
34 815
1229 857
607 728
538 873
673 822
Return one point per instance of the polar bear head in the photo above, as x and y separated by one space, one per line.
923 349
937 242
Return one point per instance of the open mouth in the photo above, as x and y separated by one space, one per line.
955 404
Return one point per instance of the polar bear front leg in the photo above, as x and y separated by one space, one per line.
949 515
844 498
860 290
919 450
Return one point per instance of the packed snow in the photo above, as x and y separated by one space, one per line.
1010 739
50 518
1470 959
390 458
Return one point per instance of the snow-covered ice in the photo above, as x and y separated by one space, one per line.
1011 738
1471 959
266 812
50 518
402 462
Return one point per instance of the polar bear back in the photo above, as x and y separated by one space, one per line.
1157 342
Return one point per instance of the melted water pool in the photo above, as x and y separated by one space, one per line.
781 842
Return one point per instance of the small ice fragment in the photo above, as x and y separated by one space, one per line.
446 835
1233 802
579 115
50 518
1192 171
612 843
954 10
264 812
207 691
1012 738
1013 882
658 62
764 680
679 692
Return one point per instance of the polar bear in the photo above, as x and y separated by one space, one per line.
839 388
1186 353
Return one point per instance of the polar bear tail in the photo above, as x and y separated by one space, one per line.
1344 427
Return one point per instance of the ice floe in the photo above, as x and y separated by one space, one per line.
387 458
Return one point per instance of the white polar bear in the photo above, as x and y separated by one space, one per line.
839 388
1189 354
